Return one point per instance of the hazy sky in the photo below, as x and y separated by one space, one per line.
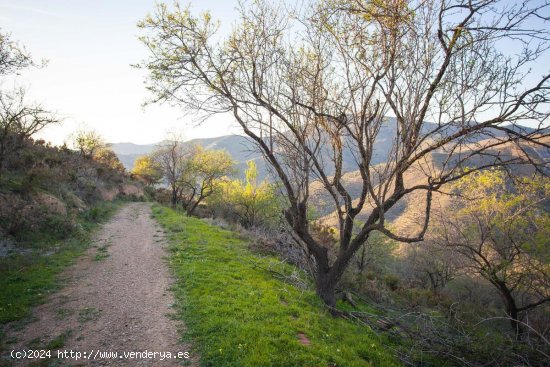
90 46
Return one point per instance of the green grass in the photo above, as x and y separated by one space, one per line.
88 314
27 278
102 253
238 314
59 341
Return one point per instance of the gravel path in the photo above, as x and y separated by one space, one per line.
116 299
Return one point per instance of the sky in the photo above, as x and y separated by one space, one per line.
89 81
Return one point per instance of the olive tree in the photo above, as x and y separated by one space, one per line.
310 84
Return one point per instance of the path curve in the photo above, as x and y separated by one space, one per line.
117 298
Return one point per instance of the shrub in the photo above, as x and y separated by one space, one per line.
392 281
252 203
60 226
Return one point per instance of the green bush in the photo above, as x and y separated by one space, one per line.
249 202
60 226
98 212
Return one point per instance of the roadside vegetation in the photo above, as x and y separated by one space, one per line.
239 313
28 276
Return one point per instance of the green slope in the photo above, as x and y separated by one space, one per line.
238 314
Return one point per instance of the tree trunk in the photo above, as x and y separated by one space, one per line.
511 310
362 260
326 289
174 199
514 320
327 277
433 283
2 154
192 206
191 209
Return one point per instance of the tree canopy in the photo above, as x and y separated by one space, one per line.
204 169
252 202
147 169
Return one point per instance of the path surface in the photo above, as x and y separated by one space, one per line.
116 299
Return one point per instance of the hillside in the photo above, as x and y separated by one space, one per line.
248 313
408 220
406 216
242 149
44 188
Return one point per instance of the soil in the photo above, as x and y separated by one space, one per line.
116 299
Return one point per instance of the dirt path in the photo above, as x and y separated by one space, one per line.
116 299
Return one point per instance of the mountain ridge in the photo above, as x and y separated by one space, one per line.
242 149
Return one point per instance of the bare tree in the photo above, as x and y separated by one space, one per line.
19 121
13 57
430 266
311 83
173 158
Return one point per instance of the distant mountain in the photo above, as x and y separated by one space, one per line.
239 147
405 215
128 152
242 149
132 149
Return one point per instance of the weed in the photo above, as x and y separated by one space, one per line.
63 313
59 341
88 314
102 253
34 343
